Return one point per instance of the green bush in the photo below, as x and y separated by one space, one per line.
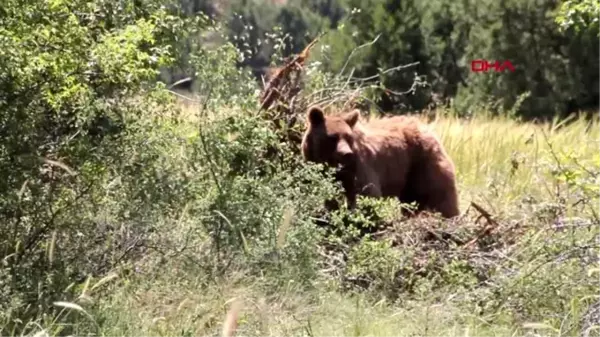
104 173
80 109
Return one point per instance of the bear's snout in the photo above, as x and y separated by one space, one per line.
344 154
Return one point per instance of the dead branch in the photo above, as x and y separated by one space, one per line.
487 229
271 91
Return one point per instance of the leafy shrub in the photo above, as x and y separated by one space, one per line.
78 98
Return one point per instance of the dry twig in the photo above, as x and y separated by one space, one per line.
487 229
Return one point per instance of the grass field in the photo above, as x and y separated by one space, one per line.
503 165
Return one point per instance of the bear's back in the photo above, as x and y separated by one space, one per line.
391 132
387 147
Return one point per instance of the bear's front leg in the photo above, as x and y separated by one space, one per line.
349 186
346 174
351 200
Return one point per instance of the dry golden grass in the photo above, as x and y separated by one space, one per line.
501 159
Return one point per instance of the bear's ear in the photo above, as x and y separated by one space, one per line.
315 116
352 117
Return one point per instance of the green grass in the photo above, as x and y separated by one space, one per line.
176 299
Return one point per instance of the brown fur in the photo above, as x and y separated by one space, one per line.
387 157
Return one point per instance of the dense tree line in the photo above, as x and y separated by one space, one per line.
554 49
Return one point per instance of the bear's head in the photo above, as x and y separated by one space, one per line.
330 139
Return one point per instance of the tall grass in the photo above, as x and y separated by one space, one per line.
500 160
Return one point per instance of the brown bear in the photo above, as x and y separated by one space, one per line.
384 157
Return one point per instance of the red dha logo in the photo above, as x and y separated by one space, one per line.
483 66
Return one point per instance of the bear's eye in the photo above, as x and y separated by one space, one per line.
349 140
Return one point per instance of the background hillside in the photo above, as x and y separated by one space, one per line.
133 206
556 68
